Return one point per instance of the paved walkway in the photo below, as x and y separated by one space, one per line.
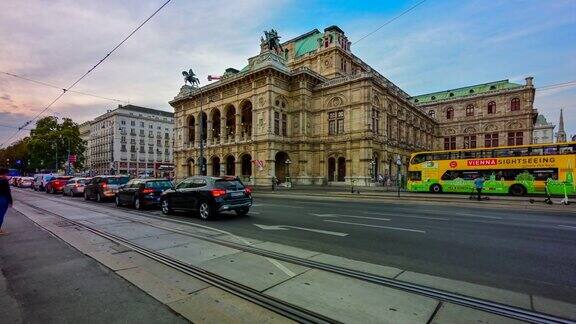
44 280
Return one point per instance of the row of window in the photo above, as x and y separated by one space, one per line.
150 149
490 140
491 109
280 119
501 174
336 122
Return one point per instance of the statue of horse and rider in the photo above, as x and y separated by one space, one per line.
272 41
191 78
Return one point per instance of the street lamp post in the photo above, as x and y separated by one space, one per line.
289 180
399 163
201 158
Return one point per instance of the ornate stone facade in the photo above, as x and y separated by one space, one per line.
315 113
498 113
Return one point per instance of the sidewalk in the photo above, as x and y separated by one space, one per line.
391 194
339 297
44 280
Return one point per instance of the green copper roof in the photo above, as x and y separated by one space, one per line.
306 43
465 91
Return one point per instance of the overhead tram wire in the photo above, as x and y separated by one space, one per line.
89 71
390 21
61 88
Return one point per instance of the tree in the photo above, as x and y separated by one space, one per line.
50 142
16 156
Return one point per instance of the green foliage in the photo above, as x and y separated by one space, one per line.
525 177
50 141
16 152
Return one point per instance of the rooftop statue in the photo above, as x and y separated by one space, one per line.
272 41
191 78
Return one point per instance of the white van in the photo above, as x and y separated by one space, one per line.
40 180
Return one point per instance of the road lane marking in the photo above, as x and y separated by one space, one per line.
276 205
287 227
350 216
378 226
253 213
408 216
567 226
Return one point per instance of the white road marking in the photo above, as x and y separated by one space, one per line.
287 227
253 213
350 216
276 205
387 227
567 226
480 216
408 216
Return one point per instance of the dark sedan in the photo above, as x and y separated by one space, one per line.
208 196
142 192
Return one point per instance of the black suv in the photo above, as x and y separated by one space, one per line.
104 187
142 192
208 196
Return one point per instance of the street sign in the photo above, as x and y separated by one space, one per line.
72 158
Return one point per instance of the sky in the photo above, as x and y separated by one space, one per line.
439 45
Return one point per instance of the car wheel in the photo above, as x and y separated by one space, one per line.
117 201
98 197
86 196
436 188
242 212
166 208
204 210
137 203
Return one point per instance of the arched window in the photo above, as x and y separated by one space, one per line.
432 114
491 107
515 104
449 113
470 110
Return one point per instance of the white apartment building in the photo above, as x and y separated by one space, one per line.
131 139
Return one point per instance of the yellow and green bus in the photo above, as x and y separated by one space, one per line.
514 170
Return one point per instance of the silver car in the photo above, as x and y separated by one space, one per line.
75 187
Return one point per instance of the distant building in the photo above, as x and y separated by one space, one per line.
84 130
561 135
573 138
491 114
130 139
543 131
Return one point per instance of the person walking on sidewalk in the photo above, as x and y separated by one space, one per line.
479 185
5 196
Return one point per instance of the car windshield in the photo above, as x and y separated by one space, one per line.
83 181
117 181
228 184
159 184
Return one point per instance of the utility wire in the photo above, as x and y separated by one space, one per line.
390 21
61 88
88 72
558 85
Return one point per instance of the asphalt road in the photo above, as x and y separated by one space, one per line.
530 252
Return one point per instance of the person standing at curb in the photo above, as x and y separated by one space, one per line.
5 197
479 185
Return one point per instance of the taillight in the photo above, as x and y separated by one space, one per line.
104 185
248 190
147 191
218 192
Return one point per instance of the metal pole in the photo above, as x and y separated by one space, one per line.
68 172
201 158
56 156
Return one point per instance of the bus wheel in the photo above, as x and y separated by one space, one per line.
517 190
436 188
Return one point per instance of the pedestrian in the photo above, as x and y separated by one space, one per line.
273 183
5 197
380 179
479 185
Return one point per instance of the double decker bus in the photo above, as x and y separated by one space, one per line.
514 170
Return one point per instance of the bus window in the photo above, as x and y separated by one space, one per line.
486 154
567 149
502 153
470 175
454 155
543 175
470 154
536 151
419 158
550 150
520 152
440 156
415 175
450 175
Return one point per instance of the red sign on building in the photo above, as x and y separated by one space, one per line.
482 162
453 164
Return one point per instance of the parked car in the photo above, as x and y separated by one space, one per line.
25 182
56 184
75 187
208 196
140 193
41 179
104 187
13 181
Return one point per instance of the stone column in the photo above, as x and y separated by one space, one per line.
223 135
237 127
210 134
197 131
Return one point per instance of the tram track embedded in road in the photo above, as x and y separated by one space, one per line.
442 295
